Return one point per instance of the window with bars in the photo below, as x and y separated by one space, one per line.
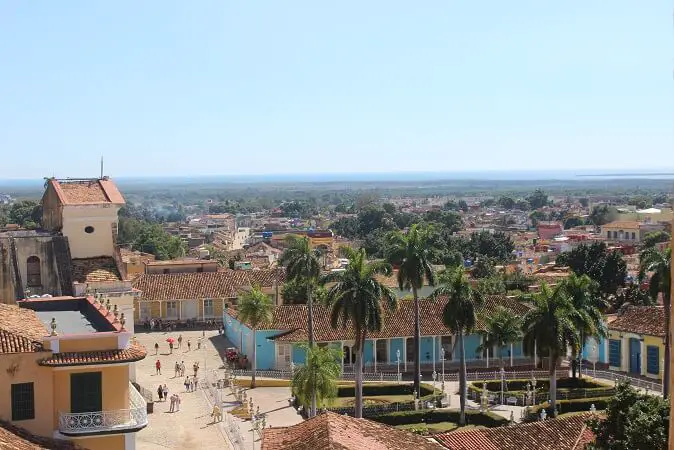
171 310
208 308
23 401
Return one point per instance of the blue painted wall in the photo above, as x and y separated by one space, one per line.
397 344
266 350
427 350
299 355
470 344
368 351
601 347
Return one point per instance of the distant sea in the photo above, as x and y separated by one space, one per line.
524 175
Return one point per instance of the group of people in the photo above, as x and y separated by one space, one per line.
163 391
168 325
191 384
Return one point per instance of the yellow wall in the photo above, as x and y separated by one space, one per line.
28 371
90 245
115 442
88 343
115 380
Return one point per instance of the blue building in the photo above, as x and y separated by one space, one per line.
279 343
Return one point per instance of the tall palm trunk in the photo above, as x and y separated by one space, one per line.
463 392
252 380
553 383
668 342
310 330
417 343
358 375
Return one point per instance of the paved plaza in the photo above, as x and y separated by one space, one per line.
192 426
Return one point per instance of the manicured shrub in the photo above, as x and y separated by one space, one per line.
567 406
473 417
373 390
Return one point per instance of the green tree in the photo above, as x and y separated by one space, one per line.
588 306
632 294
483 268
498 246
607 268
26 213
356 299
538 199
463 206
303 265
295 292
655 237
584 202
255 309
659 264
603 214
491 285
318 376
459 316
632 421
550 326
502 328
506 202
152 238
412 255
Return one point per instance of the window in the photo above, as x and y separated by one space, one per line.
88 229
23 401
33 276
172 310
608 234
614 353
86 392
446 343
634 235
382 350
208 308
409 346
653 359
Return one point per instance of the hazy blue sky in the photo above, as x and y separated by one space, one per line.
221 87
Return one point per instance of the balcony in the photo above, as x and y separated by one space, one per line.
107 422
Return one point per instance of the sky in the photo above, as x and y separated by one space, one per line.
170 88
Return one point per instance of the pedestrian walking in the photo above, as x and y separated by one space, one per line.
173 403
156 348
180 341
216 414
165 389
177 402
187 384
182 368
196 368
191 384
176 370
189 345
199 344
171 347
157 367
160 393
196 383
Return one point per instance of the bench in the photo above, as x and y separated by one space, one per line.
511 401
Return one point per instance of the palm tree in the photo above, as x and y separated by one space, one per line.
502 327
319 375
459 316
411 253
255 308
551 324
660 265
357 300
302 265
588 304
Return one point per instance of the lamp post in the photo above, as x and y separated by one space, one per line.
502 383
398 361
442 358
594 360
435 378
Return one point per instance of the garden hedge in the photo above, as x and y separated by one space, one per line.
374 390
473 417
567 406
544 384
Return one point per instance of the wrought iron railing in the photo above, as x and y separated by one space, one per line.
118 420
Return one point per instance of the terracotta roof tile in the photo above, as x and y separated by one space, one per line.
266 277
134 352
329 431
649 320
88 270
396 323
16 438
87 192
20 330
567 433
183 286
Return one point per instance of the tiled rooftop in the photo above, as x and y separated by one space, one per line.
87 192
135 352
16 438
396 323
649 320
20 330
183 286
567 433
90 270
329 431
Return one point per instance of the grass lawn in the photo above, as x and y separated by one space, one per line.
348 401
